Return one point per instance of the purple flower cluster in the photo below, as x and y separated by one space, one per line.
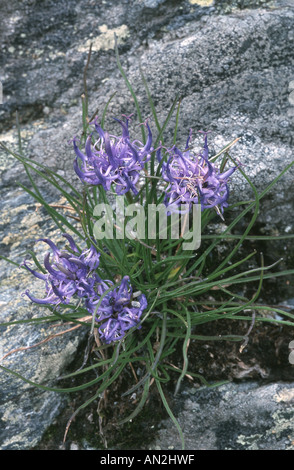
119 310
69 273
193 179
113 160
72 275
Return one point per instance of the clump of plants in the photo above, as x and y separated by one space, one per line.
138 282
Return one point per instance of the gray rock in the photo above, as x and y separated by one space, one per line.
235 83
28 349
232 73
233 417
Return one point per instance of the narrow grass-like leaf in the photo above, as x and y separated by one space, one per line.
170 413
185 349
140 406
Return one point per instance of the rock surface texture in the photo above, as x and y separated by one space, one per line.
234 417
231 63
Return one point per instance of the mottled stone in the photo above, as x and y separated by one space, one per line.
246 416
26 348
233 74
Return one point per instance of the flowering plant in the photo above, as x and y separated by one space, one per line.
140 291
194 179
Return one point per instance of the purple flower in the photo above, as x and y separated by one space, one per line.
193 179
119 311
69 273
113 160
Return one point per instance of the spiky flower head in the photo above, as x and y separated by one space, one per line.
120 310
71 275
67 273
194 179
113 159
